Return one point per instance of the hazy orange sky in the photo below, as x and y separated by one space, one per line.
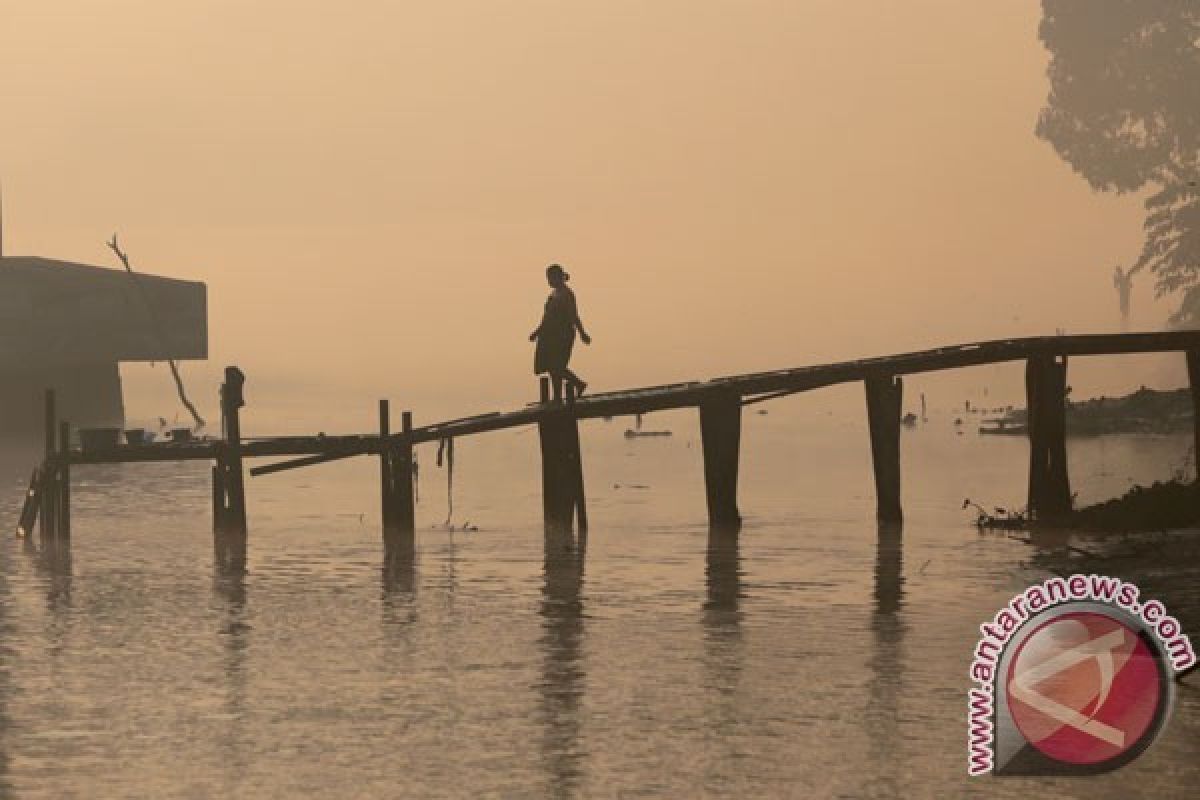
371 190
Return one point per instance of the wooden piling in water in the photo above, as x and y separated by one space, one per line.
1193 368
404 507
721 434
64 481
885 397
233 485
49 473
1046 404
386 479
562 466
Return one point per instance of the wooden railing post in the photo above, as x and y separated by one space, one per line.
721 434
885 397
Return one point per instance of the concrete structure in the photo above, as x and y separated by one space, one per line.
67 327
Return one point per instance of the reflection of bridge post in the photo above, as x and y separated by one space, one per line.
399 563
721 436
886 663
229 584
563 676
884 406
722 573
6 727
1046 403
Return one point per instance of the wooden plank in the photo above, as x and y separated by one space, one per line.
306 461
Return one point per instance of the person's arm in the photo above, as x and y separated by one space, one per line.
533 336
579 323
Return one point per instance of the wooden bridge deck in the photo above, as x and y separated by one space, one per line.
753 386
719 401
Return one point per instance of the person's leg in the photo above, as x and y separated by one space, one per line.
579 383
556 384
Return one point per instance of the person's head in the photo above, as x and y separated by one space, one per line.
556 276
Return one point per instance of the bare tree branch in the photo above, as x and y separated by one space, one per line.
116 248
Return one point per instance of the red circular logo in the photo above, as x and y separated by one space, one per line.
1084 688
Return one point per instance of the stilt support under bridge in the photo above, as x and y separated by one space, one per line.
563 501
885 396
1046 402
721 432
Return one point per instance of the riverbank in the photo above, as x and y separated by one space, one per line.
1144 411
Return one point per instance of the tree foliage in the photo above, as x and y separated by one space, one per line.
1124 112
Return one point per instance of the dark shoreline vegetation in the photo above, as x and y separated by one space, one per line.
1143 411
1164 505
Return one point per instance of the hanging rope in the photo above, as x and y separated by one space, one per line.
446 447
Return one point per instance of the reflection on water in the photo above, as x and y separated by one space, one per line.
564 676
723 652
7 658
812 653
233 630
886 661
399 570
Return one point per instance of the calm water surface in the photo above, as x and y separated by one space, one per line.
809 656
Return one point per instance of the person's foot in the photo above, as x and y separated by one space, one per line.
579 388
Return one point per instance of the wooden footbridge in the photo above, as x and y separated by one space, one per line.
719 402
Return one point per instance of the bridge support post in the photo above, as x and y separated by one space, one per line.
386 495
398 483
885 396
229 483
1193 367
1046 403
721 435
562 471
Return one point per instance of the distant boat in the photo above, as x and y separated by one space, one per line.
637 432
910 419
1003 427
630 433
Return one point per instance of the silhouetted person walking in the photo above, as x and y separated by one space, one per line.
555 336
